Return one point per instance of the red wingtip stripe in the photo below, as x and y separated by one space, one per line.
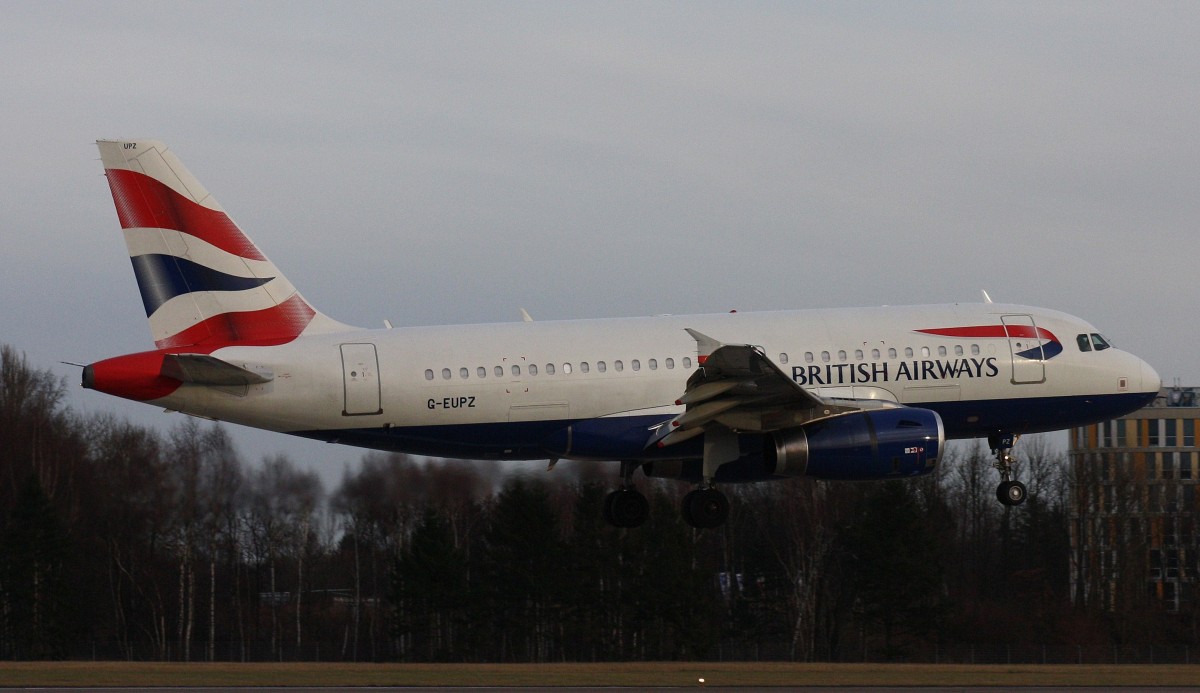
143 202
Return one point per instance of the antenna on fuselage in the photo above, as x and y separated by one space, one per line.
986 298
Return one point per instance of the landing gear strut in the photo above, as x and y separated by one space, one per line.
1009 492
626 507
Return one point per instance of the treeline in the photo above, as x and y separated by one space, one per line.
121 542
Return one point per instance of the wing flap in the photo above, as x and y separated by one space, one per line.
738 388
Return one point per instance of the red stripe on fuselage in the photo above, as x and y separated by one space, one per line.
978 331
143 202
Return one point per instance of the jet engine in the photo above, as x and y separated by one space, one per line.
859 446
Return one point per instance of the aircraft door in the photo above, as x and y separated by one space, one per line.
1025 347
360 378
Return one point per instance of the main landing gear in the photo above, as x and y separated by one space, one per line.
705 508
626 507
1009 492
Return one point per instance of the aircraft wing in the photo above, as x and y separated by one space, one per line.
738 388
202 369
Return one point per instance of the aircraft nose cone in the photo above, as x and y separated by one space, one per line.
1150 378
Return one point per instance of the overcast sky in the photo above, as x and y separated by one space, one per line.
453 162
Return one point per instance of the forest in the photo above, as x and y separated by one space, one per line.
123 542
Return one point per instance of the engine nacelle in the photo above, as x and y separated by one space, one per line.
860 446
865 445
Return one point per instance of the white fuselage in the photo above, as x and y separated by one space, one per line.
503 390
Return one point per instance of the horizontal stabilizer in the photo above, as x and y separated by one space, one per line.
201 369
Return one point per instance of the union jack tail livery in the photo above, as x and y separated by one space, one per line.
203 282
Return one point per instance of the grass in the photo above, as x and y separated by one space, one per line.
639 674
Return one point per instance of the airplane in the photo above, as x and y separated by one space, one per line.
834 394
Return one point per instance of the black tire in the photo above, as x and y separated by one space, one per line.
626 507
1011 493
705 508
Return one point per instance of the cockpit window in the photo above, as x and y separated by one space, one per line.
1085 344
1099 342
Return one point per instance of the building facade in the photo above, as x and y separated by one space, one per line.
1134 524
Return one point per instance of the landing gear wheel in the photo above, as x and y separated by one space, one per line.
705 508
626 507
1011 492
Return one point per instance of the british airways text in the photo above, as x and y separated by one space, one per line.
882 371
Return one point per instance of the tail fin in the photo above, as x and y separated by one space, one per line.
203 282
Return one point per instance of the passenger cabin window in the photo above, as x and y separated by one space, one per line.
670 364
600 367
516 370
584 367
566 369
481 372
464 373
499 371
533 369
687 361
636 365
618 365
1084 342
783 358
549 369
445 374
429 374
653 364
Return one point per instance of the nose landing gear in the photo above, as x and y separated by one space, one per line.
1010 492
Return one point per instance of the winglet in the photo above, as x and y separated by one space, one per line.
705 345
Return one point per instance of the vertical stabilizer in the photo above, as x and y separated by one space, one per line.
203 281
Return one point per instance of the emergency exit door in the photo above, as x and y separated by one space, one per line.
360 378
